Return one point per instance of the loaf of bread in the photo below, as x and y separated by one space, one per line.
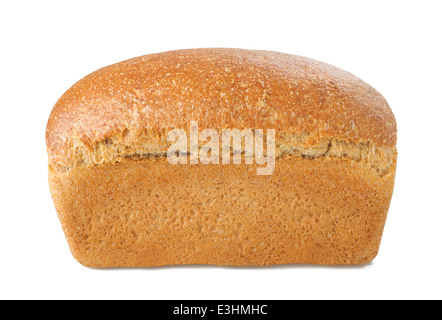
126 198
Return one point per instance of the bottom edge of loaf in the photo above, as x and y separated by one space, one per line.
176 264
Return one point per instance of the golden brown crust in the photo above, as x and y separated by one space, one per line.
322 211
144 97
121 203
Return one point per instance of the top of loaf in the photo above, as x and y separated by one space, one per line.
126 109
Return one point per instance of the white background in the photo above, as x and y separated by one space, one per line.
46 46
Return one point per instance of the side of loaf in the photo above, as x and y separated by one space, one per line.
122 203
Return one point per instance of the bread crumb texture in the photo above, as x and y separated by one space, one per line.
121 203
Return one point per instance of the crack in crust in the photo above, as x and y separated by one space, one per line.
129 146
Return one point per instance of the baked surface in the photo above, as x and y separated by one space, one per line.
121 203
126 109
323 211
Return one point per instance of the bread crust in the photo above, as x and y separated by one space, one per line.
322 211
121 203
134 103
